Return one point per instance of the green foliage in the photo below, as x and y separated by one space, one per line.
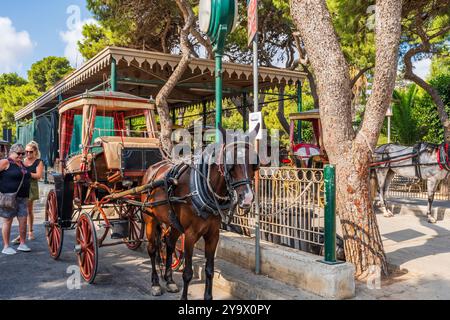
10 79
151 24
425 111
275 43
440 66
404 126
353 21
46 72
12 99
96 38
270 110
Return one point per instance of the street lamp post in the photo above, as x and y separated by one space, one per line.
389 115
217 19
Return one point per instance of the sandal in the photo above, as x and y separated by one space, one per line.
31 235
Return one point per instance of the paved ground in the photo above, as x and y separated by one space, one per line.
122 274
419 249
422 252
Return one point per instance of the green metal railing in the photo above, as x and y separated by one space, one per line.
298 209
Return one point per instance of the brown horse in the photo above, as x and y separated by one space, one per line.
194 204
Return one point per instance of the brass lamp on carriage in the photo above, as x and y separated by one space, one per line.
304 154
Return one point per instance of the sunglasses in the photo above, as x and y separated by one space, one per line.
29 151
20 153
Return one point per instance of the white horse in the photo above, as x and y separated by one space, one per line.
423 160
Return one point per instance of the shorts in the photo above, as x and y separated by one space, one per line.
20 212
34 190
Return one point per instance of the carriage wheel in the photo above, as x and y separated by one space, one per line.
136 232
178 254
86 247
53 232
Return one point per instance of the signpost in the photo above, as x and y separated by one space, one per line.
217 19
389 115
252 12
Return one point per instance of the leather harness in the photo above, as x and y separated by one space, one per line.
204 200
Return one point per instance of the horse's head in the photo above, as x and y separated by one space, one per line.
239 165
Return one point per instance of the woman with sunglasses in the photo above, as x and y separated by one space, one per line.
14 177
35 167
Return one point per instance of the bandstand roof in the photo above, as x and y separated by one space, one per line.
143 73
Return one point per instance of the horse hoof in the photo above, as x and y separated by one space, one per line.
156 291
431 220
172 288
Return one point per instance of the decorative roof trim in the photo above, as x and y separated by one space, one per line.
133 56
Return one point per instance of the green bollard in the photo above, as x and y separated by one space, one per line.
330 215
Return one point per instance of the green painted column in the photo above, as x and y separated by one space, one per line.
113 75
299 109
204 108
17 133
33 127
218 74
330 213
244 118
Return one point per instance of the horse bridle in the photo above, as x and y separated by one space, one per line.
225 169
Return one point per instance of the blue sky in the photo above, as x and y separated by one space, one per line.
34 29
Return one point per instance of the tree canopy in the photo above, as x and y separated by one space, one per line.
46 72
12 100
16 92
10 79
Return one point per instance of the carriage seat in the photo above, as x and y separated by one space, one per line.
113 146
73 164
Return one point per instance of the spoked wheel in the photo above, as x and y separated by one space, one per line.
53 232
178 254
86 247
136 231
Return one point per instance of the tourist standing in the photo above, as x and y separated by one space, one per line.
14 178
35 167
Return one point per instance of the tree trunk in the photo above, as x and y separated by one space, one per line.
363 245
351 152
280 112
162 105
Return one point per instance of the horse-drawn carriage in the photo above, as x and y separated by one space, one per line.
94 179
116 180
307 155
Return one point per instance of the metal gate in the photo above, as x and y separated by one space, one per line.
291 206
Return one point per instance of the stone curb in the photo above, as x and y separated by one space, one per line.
246 285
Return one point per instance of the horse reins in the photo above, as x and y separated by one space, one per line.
442 155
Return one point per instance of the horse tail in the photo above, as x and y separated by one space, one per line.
373 183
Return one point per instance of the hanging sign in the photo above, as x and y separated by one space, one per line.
252 13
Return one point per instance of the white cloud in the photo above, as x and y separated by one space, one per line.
13 46
422 68
73 35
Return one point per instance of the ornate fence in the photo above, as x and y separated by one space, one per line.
403 187
291 206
